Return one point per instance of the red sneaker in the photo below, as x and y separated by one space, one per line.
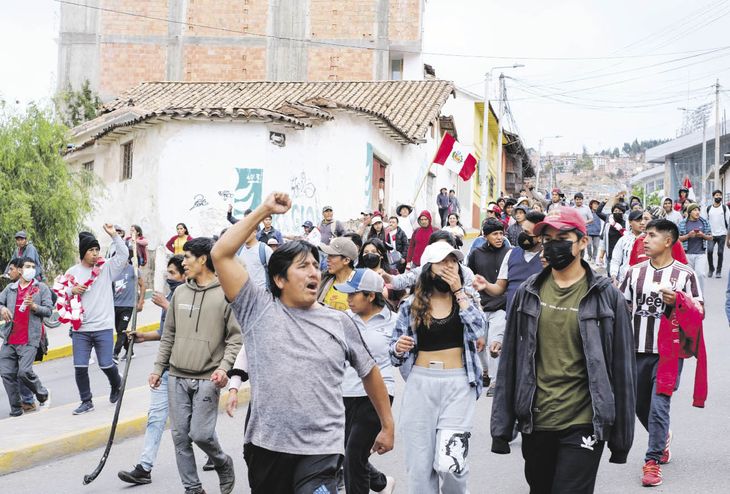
667 454
652 474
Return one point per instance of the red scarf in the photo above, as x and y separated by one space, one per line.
68 305
638 255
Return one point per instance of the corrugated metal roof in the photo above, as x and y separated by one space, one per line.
402 109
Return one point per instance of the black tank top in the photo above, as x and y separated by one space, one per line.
443 333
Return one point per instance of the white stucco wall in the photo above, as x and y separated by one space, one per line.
180 162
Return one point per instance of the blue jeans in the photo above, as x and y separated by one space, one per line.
652 409
103 344
156 419
25 393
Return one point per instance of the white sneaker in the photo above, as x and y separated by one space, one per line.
389 486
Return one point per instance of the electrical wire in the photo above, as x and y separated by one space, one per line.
375 48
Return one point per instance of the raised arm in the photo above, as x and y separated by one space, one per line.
231 273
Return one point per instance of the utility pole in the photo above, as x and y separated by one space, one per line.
703 190
718 185
484 165
499 135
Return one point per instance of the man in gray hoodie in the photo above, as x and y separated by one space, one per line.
199 345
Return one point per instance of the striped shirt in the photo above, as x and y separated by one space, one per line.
641 289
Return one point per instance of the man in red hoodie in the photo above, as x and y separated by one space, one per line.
420 237
651 289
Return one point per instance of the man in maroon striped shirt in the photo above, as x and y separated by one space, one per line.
650 289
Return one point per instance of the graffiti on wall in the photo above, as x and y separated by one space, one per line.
305 205
199 201
249 191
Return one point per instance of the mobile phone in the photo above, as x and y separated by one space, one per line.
697 230
435 364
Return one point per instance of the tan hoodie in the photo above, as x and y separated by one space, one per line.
201 333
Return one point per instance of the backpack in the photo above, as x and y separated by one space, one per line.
262 258
724 214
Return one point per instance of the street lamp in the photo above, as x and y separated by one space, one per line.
485 132
539 160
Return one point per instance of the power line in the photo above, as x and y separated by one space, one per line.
374 48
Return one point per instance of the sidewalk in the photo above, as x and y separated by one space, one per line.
42 437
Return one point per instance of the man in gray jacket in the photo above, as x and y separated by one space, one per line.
23 305
24 248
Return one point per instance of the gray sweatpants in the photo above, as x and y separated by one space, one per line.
193 407
435 420
16 364
496 322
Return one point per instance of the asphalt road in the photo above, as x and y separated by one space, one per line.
58 376
700 448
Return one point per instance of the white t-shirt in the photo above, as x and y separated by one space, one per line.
252 259
502 275
586 212
717 218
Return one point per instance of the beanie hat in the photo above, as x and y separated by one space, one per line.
692 207
87 241
492 225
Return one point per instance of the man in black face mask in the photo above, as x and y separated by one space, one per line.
717 215
518 264
485 261
567 373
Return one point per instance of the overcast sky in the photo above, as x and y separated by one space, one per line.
600 103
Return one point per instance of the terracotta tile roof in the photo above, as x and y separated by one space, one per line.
402 109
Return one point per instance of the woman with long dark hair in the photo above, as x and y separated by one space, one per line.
176 242
374 255
377 230
434 344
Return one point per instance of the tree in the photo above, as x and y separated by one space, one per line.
635 148
38 193
627 148
76 107
616 152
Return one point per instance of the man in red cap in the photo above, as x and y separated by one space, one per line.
567 372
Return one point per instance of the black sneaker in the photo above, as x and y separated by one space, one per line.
114 395
226 476
199 490
16 412
137 475
85 407
709 275
208 467
718 274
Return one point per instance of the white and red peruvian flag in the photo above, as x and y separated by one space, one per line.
688 185
455 157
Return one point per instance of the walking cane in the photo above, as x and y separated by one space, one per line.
131 329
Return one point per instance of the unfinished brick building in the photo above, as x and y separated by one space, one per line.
116 44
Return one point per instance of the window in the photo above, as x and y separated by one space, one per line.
127 158
88 169
396 69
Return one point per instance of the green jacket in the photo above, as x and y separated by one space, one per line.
44 308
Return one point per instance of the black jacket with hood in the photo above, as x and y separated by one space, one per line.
608 345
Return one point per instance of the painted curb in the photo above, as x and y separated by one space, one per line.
35 454
65 350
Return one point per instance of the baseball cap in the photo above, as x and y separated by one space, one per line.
557 191
327 208
437 252
340 246
366 212
118 228
308 224
272 241
362 280
522 208
492 207
376 219
522 199
21 234
563 219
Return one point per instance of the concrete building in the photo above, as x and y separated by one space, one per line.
121 43
651 181
168 152
682 157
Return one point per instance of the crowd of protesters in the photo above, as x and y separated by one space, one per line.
570 357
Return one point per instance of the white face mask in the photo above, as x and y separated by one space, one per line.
28 274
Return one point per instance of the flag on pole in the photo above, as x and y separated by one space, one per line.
456 157
688 185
